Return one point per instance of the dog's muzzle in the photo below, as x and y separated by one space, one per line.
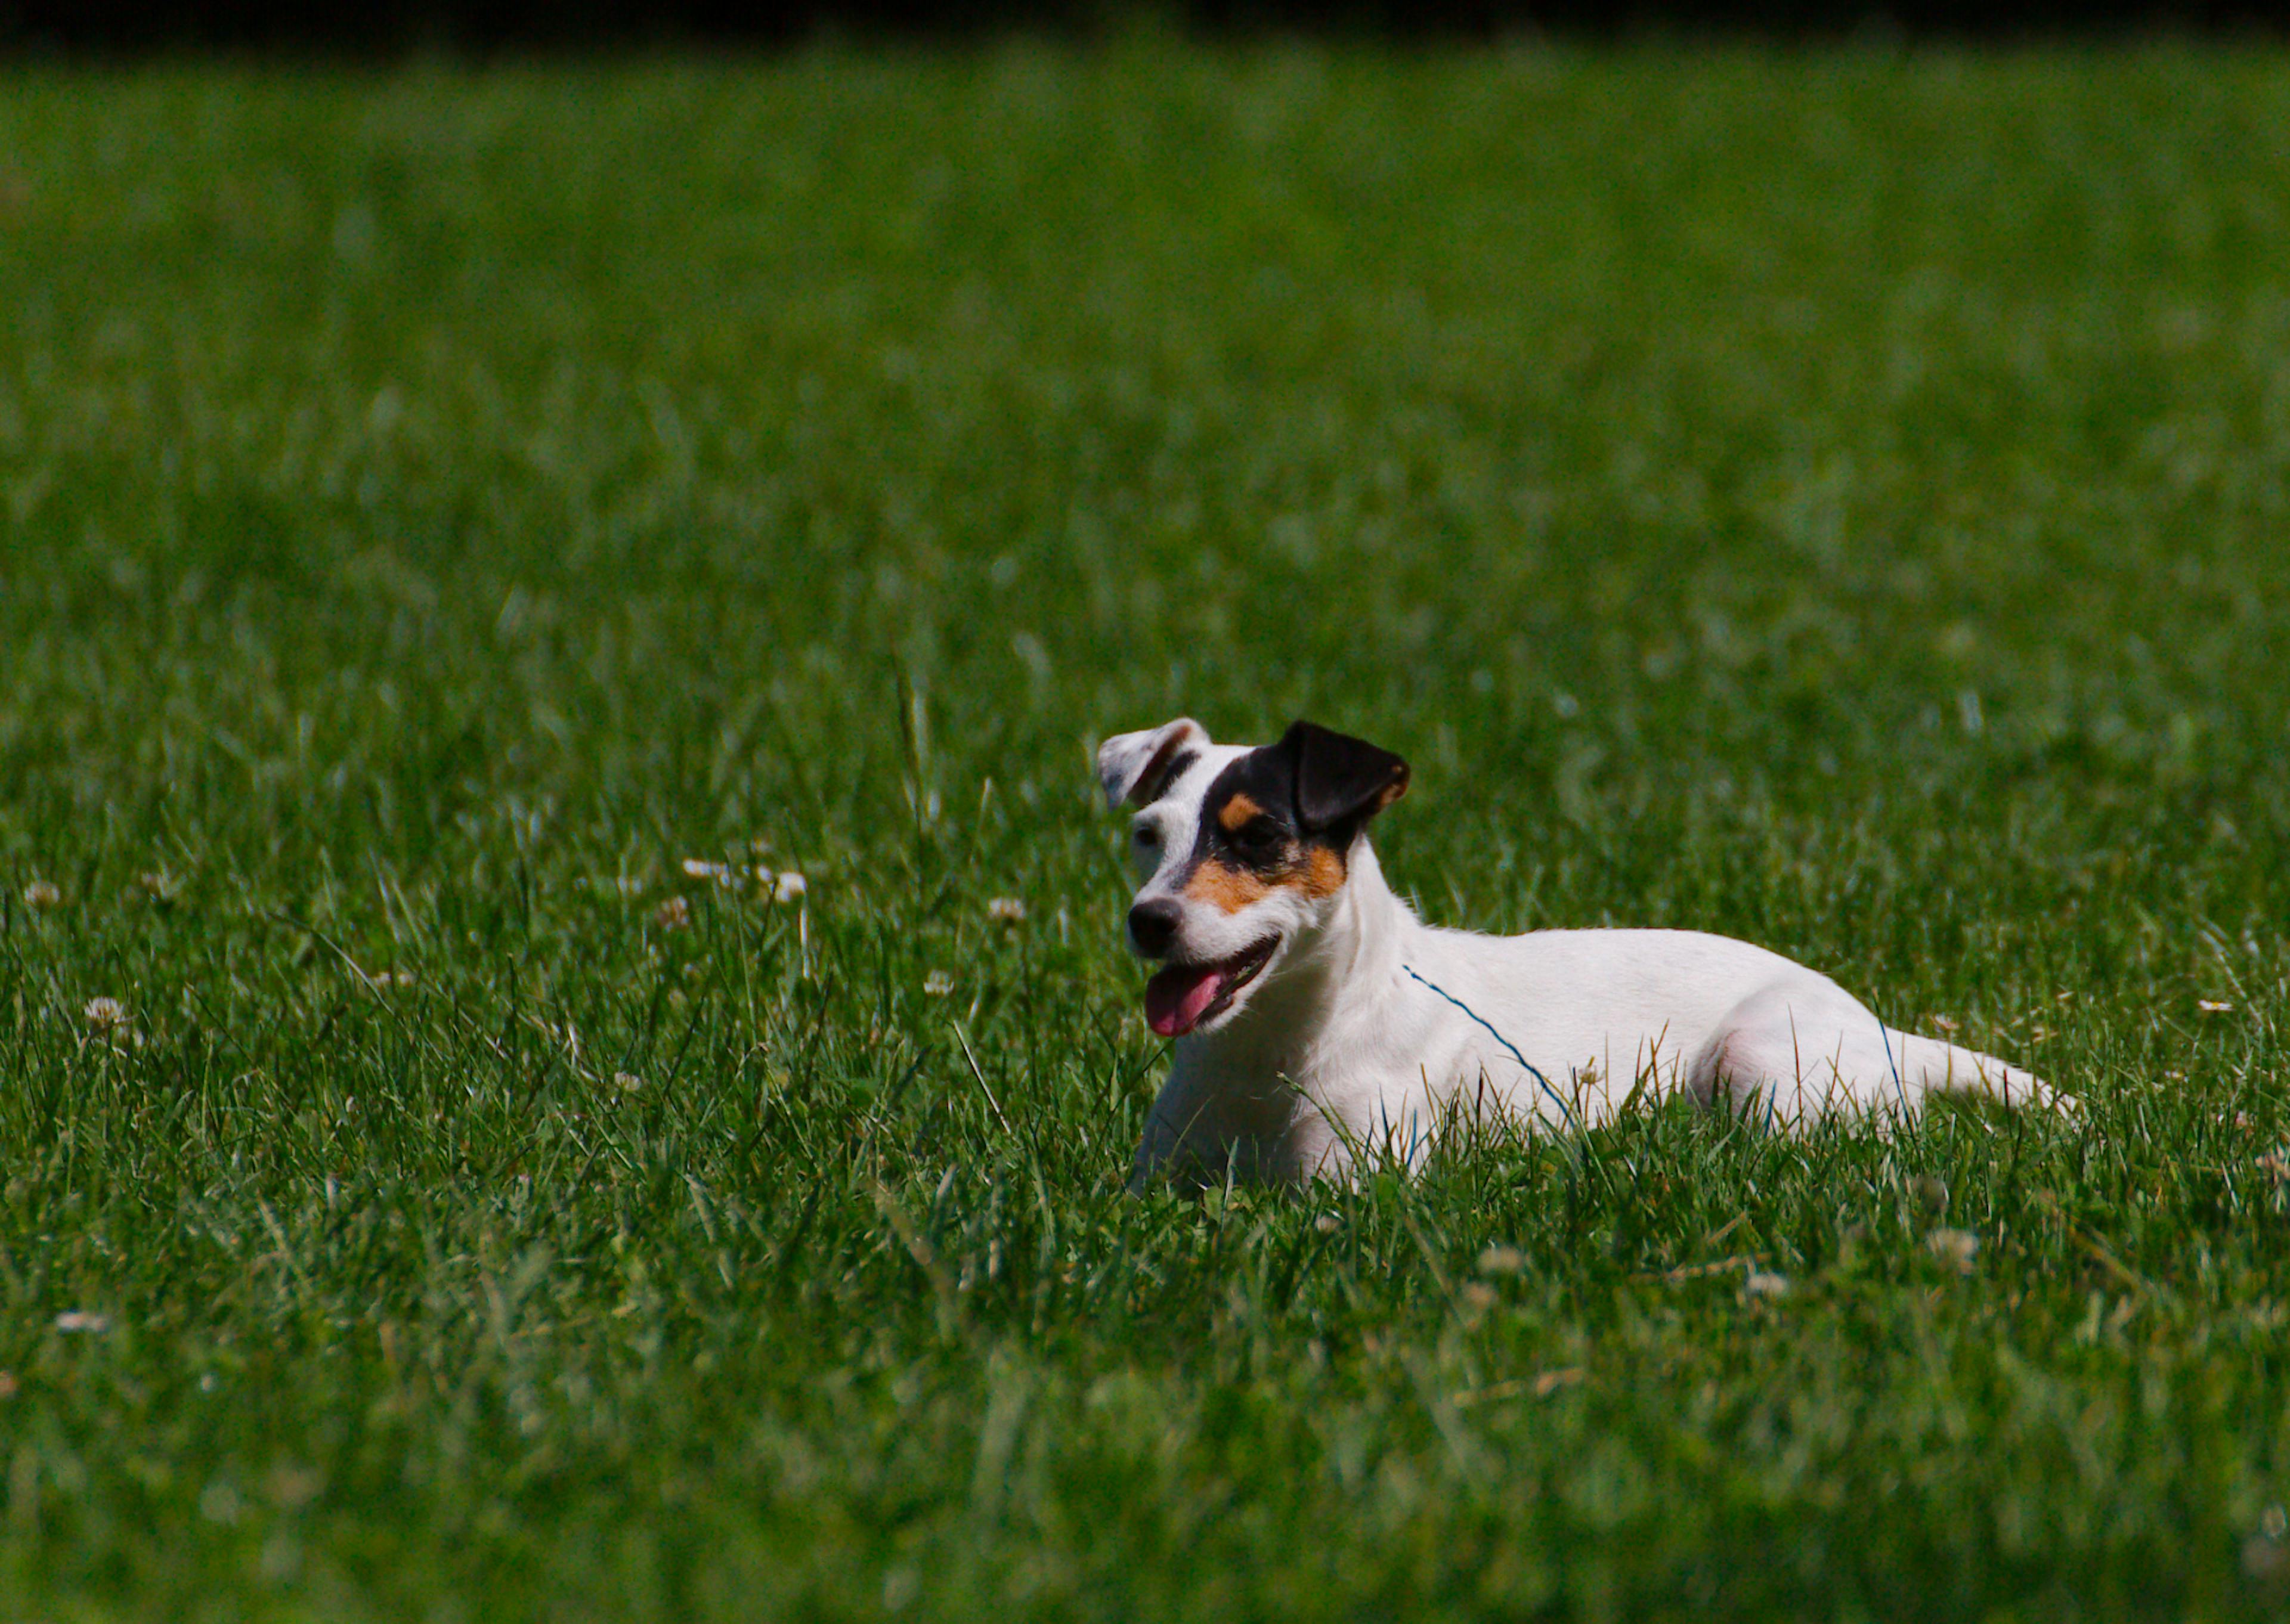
1183 996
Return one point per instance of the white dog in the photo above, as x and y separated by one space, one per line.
1317 1018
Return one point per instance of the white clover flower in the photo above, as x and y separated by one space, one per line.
1005 910
938 983
788 887
81 1320
1764 1283
40 893
105 1013
700 869
627 1081
1957 1248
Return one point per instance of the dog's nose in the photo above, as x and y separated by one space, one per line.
1153 924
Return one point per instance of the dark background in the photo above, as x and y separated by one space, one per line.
478 26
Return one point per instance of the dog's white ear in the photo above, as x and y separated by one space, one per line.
1132 766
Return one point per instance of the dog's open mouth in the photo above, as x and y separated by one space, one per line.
1183 996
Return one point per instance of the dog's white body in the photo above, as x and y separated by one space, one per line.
1366 1031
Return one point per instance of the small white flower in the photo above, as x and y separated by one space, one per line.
938 983
788 887
1957 1248
673 915
2211 1007
105 1013
1762 1283
1327 1223
81 1320
627 1081
39 893
1502 1260
1005 910
700 869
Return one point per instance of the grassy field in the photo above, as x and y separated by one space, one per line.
1840 499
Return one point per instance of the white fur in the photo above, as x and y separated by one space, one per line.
1124 759
1336 1050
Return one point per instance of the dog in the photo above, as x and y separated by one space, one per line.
1318 1022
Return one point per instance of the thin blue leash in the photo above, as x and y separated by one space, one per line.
1773 1121
1509 1047
1898 1087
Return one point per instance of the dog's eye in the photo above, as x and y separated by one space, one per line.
1146 836
1257 834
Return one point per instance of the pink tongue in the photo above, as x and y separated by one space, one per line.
1176 998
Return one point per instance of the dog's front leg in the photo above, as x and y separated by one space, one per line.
1154 1150
1198 1136
1170 1148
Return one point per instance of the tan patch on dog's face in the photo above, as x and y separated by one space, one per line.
1224 887
1323 874
1235 813
1316 871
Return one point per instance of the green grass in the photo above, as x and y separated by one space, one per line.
1838 499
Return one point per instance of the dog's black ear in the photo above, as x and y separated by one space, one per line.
1341 779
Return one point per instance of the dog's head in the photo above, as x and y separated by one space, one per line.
1240 854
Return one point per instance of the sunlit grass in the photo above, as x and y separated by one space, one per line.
563 1045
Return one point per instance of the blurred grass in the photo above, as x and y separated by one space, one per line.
1835 498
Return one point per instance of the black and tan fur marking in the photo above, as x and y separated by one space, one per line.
1286 815
1236 812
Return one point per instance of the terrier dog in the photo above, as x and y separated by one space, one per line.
1317 1020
